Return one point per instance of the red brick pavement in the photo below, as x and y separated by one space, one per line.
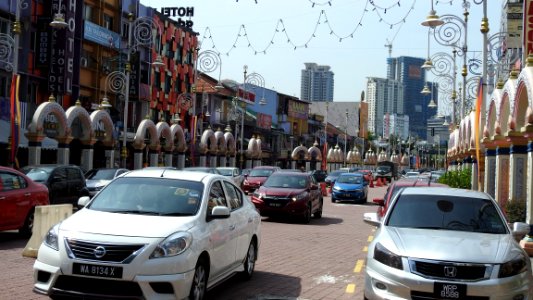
313 261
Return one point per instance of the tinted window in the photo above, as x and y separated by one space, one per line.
37 174
260 173
446 212
350 179
287 181
102 174
234 196
60 174
74 174
10 181
216 195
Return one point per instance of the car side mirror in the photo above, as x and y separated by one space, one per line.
83 201
220 212
379 201
519 230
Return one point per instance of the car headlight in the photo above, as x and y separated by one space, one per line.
336 188
258 195
173 245
299 196
513 267
386 257
51 239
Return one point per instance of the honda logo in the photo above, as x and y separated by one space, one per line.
450 271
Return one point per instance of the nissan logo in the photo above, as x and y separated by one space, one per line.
450 271
99 252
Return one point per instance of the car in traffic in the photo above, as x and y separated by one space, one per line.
151 234
97 179
319 175
210 170
233 173
289 194
350 187
257 176
66 183
367 174
446 243
19 195
396 186
332 176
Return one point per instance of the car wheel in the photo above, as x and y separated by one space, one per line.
307 215
333 200
199 281
249 263
318 213
27 229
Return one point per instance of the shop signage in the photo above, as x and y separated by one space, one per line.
264 121
298 110
179 12
101 35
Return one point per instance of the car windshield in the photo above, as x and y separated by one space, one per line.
103 174
350 179
336 173
447 213
37 174
286 181
260 173
383 168
226 172
151 196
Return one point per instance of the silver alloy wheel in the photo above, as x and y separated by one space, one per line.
199 283
250 260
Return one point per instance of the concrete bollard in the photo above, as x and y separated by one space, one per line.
44 218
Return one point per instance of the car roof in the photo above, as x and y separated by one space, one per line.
448 191
172 173
266 167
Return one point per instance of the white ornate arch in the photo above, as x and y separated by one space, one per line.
178 137
208 138
44 109
314 150
146 125
230 143
103 116
331 155
220 142
78 112
299 149
163 130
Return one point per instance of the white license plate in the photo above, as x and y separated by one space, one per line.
275 204
97 270
449 290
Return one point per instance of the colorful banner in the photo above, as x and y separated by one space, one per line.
325 156
477 127
15 118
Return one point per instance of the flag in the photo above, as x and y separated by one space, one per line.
477 127
325 156
15 118
193 138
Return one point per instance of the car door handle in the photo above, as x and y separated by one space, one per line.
27 194
232 227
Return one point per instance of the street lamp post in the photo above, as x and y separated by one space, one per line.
345 137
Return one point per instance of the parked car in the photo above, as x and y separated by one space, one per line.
258 175
233 173
330 179
151 234
446 243
209 170
319 175
411 174
289 193
350 187
66 183
18 197
395 187
368 174
96 179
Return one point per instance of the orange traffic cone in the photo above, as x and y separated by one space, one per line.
372 183
378 183
330 188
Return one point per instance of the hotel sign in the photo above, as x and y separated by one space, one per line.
179 12
528 29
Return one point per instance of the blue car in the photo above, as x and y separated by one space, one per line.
350 187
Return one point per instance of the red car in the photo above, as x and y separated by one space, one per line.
18 197
289 193
396 186
257 177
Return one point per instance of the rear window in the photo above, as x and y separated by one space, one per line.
260 173
447 213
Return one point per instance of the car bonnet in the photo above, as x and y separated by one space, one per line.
119 224
449 245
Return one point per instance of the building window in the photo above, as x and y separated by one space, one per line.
108 22
5 26
125 27
87 12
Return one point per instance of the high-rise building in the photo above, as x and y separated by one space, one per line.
408 71
317 83
384 96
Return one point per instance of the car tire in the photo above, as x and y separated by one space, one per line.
199 281
333 200
307 214
27 229
249 262
318 213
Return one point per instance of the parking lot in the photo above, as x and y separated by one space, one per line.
320 260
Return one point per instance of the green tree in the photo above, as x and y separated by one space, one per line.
458 179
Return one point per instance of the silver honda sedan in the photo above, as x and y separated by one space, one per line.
445 243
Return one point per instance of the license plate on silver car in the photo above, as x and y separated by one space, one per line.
444 290
97 270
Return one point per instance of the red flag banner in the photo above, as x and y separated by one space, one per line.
325 157
477 126
15 118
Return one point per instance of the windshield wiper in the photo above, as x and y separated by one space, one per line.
139 212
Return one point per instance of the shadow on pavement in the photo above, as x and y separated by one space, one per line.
292 220
12 240
261 287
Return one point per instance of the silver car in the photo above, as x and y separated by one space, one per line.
97 179
232 173
445 243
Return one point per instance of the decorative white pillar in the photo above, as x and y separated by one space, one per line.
203 160
138 159
213 161
63 154
490 172
307 165
318 165
223 161
181 161
154 158
232 161
34 153
87 154
168 159
529 183
502 174
249 164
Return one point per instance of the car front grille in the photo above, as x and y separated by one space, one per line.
271 200
120 253
97 288
450 271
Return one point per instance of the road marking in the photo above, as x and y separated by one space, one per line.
365 249
358 266
350 288
370 238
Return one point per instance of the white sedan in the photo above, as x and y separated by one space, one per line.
151 234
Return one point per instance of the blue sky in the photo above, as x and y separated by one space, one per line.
352 41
